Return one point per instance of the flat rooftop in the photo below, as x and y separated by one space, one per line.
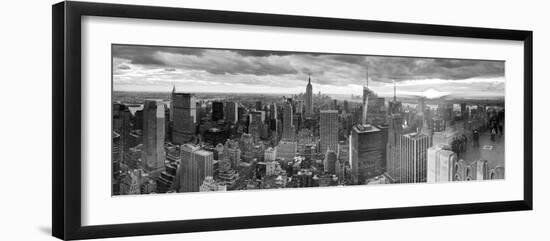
365 128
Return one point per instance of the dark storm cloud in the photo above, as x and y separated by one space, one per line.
284 69
145 55
350 59
210 60
386 69
124 67
240 65
262 53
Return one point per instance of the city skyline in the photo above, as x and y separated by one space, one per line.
183 141
201 70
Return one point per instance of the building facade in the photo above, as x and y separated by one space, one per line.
153 136
287 150
414 155
184 118
309 98
288 124
328 130
366 152
217 111
231 112
196 164
440 164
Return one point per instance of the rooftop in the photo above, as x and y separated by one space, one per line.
415 135
364 128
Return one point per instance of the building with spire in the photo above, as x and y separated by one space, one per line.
309 98
394 105
172 103
366 93
366 144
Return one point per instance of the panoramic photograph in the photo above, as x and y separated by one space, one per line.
187 119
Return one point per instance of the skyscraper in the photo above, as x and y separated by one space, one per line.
258 105
440 164
395 129
122 126
329 162
153 136
196 164
256 124
366 152
217 111
309 98
381 166
395 106
172 103
366 93
288 124
185 118
413 164
328 130
231 112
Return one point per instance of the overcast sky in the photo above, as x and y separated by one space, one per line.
149 68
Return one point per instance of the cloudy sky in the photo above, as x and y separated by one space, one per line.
151 68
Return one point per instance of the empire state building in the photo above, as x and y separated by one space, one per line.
309 98
366 93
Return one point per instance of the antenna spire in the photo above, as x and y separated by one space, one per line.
394 92
309 78
367 76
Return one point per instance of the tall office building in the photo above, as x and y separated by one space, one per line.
273 111
346 106
121 125
153 136
330 162
273 120
366 152
395 130
328 130
256 124
395 106
421 107
381 166
366 94
309 98
231 112
196 164
217 111
185 118
172 103
258 105
288 124
440 164
414 148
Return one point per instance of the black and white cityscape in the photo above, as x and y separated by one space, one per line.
203 120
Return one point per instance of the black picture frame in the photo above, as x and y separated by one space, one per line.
66 127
